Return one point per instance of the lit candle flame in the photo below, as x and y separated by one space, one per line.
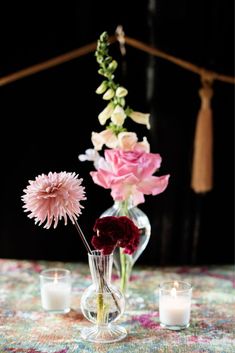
176 284
173 292
56 278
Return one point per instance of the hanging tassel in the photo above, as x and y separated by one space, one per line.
202 169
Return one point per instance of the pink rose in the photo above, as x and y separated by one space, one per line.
130 173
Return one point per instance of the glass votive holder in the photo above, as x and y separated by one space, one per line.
175 304
55 286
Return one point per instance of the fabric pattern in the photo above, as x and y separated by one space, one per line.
26 328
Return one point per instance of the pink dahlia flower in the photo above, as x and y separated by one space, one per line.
49 198
130 173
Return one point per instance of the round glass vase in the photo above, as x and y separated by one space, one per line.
124 262
102 303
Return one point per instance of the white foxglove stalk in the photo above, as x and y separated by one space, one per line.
108 94
105 137
121 92
127 140
106 113
140 118
118 116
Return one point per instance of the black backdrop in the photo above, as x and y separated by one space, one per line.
47 120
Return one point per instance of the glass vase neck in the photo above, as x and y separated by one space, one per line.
101 268
124 206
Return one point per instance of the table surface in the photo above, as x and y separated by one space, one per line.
26 328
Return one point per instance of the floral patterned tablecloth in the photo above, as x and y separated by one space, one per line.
25 328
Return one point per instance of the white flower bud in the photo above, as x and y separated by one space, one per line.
105 114
108 94
102 88
122 102
97 141
121 92
127 140
90 155
118 116
113 65
105 137
143 146
140 118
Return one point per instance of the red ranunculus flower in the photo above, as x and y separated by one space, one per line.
115 231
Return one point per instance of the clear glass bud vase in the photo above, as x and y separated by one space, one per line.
102 303
125 262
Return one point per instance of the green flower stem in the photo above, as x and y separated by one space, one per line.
124 258
125 271
100 300
124 208
100 309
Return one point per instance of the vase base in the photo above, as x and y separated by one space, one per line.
103 334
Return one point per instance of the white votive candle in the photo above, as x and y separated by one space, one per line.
55 290
175 305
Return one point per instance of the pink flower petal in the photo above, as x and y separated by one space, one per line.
49 198
130 173
153 185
